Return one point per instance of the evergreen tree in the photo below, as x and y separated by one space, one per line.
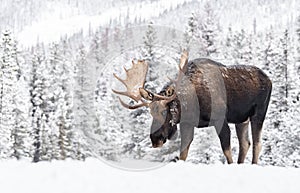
242 48
9 76
84 118
285 59
276 132
208 30
47 147
190 31
38 101
65 109
55 101
149 50
62 124
228 47
279 77
294 70
298 40
96 47
22 127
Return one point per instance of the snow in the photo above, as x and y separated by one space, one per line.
52 27
95 176
124 140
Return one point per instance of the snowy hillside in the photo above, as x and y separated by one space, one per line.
60 18
93 176
52 26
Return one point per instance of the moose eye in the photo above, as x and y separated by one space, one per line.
150 95
164 113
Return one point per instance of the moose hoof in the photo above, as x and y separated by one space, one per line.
175 159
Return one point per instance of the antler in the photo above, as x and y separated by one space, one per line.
135 79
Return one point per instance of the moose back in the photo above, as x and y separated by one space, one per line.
205 93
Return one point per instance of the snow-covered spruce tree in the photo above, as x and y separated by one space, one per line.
295 72
96 48
105 39
56 101
22 140
290 147
112 132
83 98
285 60
258 49
9 76
242 48
38 86
22 129
51 94
293 118
268 49
297 61
50 127
190 31
149 52
298 40
208 31
61 102
276 133
278 67
228 47
68 140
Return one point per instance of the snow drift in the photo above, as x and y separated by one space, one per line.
95 176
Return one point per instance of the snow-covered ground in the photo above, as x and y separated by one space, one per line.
95 176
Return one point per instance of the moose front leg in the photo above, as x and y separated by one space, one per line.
187 135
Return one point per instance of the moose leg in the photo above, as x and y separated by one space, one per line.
224 136
244 142
187 135
256 127
184 152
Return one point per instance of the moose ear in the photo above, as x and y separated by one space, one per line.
170 91
183 61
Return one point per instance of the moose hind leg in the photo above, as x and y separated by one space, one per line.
224 136
244 142
256 128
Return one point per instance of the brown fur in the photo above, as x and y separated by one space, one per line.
212 94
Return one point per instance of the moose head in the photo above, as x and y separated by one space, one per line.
164 107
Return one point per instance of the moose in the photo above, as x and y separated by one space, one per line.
205 93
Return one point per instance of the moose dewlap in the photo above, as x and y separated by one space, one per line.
205 93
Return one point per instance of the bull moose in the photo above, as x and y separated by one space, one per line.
205 93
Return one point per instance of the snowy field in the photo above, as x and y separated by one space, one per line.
93 176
